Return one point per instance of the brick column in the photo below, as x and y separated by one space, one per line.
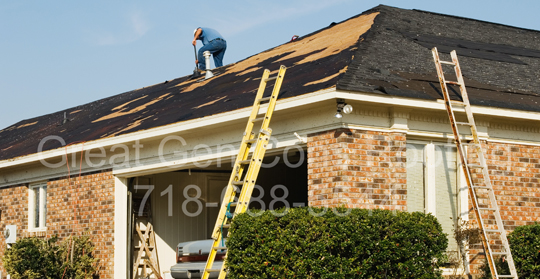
357 169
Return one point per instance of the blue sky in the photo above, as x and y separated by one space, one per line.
60 54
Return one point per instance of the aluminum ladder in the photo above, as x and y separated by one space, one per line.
252 162
482 186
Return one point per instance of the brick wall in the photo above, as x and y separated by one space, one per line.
357 169
14 207
515 173
367 169
72 206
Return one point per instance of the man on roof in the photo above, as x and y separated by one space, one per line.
213 42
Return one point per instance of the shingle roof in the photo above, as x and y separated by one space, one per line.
384 50
501 64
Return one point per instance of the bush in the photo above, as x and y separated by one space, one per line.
525 246
337 244
36 258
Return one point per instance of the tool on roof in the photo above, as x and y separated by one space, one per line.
196 73
485 208
245 161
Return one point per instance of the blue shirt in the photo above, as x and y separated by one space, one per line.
209 34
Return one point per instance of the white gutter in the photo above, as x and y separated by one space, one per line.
437 105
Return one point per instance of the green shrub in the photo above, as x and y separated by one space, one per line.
525 246
337 244
33 258
36 258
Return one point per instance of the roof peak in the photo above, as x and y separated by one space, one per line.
383 7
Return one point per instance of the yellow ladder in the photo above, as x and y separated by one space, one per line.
489 208
239 178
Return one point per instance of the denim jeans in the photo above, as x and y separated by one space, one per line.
217 48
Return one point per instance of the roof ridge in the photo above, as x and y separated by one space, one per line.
473 19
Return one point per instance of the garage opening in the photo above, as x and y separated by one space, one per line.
183 205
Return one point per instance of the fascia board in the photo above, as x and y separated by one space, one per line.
436 105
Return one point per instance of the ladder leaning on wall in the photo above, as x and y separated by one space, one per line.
491 232
245 161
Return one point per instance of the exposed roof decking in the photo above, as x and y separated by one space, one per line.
315 62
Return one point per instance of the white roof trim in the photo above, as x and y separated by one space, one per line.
298 101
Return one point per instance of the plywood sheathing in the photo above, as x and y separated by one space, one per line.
133 110
327 42
26 125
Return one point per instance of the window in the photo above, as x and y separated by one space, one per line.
37 207
434 184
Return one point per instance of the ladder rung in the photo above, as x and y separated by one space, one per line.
266 132
258 119
453 82
265 99
270 79
219 248
490 230
238 183
446 62
244 162
212 270
500 253
471 144
487 208
483 187
493 231
474 166
226 226
457 103
251 140
464 123
506 276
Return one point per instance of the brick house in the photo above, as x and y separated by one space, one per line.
167 148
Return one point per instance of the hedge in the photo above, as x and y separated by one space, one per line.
353 243
525 246
38 258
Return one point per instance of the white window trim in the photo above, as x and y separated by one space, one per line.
429 182
429 179
32 207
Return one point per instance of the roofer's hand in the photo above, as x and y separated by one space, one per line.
194 42
197 62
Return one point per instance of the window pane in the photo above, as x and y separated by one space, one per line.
36 207
415 177
446 190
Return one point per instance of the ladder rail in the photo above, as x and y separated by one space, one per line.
466 166
261 140
243 154
262 143
461 151
481 158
